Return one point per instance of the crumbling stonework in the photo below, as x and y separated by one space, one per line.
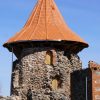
10 98
32 78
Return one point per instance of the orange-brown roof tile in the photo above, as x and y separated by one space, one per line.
45 23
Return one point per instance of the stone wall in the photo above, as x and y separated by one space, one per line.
10 98
32 78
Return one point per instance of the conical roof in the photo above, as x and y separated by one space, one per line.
45 24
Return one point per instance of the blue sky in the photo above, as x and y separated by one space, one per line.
82 16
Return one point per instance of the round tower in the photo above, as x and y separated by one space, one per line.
46 51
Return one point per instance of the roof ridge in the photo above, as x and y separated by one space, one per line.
38 19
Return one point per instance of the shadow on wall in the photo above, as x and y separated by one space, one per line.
80 88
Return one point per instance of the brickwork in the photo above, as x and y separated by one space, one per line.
63 79
95 69
78 83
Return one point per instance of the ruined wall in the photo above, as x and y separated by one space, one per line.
32 78
95 69
78 84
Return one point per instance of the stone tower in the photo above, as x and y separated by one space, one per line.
46 51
